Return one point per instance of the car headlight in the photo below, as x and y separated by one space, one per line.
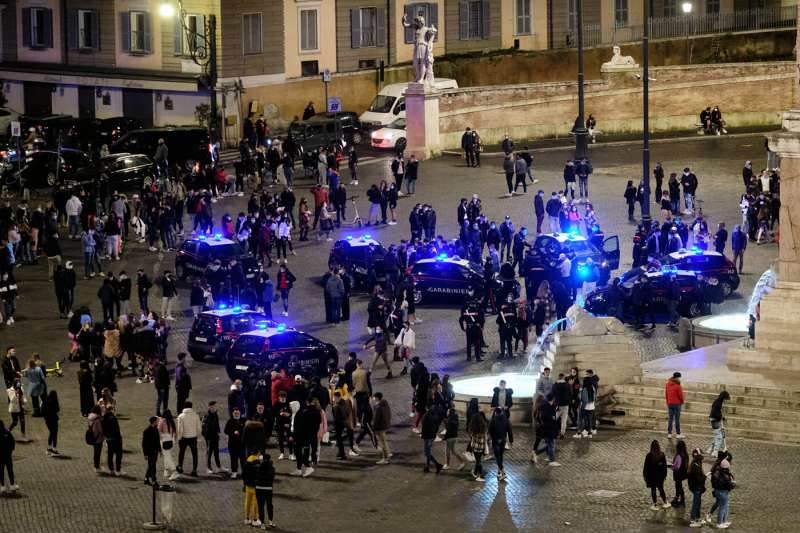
374 134
604 264
389 135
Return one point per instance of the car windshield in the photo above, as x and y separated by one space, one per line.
399 124
248 344
76 159
226 251
579 246
382 104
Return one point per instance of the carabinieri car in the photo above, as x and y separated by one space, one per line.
714 266
213 332
198 252
451 280
270 345
357 254
547 247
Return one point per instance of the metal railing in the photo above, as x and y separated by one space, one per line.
686 26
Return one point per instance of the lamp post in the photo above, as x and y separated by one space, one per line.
646 114
687 7
202 49
579 128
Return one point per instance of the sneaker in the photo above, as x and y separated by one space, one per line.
445 467
280 458
247 522
292 457
553 463
479 478
696 523
709 518
577 436
353 453
654 507
98 470
356 448
415 430
15 488
235 475
382 462
724 525
175 476
121 473
272 524
534 458
256 523
594 432
297 473
308 471
679 436
666 505
501 476
669 435
437 439
2 489
210 472
139 381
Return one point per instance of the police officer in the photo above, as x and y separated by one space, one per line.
472 322
506 326
673 300
641 303
518 248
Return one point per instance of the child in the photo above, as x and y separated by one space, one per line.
249 478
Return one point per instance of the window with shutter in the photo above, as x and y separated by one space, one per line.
125 30
523 17
380 27
87 33
433 18
409 10
474 19
190 36
308 30
251 33
621 13
39 27
138 32
368 17
463 20
355 28
486 16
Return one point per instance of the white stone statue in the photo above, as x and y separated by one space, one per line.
423 49
582 324
618 61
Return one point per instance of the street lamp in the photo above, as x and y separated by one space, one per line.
203 51
686 7
646 114
579 128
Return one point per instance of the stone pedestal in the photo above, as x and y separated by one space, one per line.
777 343
612 357
422 121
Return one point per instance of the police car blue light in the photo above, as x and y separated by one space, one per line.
281 327
218 236
441 257
262 325
237 309
201 237
349 237
222 306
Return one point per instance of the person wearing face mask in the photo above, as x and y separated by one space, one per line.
210 431
285 281
234 429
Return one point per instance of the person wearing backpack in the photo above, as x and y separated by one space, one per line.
7 445
94 435
723 482
210 431
697 486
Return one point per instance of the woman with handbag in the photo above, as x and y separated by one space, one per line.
405 343
478 442
167 432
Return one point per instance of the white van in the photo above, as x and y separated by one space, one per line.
390 104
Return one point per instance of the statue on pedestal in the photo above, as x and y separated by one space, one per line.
423 49
618 62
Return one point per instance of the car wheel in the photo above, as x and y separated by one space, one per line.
417 296
356 138
726 287
51 179
400 145
180 272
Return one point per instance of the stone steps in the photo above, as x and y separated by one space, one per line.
731 421
703 407
734 390
694 396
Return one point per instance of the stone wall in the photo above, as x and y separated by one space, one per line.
747 93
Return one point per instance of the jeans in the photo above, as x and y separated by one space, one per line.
150 473
450 450
191 443
382 444
74 225
478 470
114 449
52 435
719 438
697 500
723 501
555 226
499 448
549 447
688 198
521 181
166 306
562 413
162 399
583 185
587 417
88 264
6 464
212 449
429 458
674 413
336 310
411 186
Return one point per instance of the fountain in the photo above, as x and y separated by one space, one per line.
523 383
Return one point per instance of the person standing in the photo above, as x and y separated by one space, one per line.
723 482
52 249
16 408
630 199
508 170
738 244
717 419
50 413
94 435
162 383
334 289
583 169
183 382
553 208
499 431
381 341
343 424
477 427
234 429
188 429
548 429
285 280
113 436
538 208
7 445
265 477
161 159
451 439
143 285
521 172
720 238
655 472
151 448
689 184
658 174
562 396
412 170
697 486
169 292
430 425
468 145
167 433
35 385
398 168
680 471
588 395
675 399
381 422
210 431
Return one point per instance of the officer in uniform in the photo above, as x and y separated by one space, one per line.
506 326
471 322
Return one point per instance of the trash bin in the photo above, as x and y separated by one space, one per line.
166 503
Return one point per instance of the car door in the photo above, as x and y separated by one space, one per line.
611 251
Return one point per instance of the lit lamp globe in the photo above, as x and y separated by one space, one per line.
166 10
686 7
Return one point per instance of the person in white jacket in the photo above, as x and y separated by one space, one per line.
73 209
404 346
189 427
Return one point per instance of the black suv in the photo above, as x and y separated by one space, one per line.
198 252
213 332
451 280
713 265
354 254
185 144
269 346
41 169
321 131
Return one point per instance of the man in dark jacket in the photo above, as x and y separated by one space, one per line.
468 145
210 431
381 422
113 437
548 429
183 381
538 208
234 429
553 208
738 244
430 426
499 434
143 285
306 426
689 184
562 394
151 447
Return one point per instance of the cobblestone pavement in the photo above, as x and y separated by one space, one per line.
65 495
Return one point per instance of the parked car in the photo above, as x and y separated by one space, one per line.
110 130
713 265
546 249
356 255
452 280
391 136
349 124
41 168
213 332
322 132
271 345
197 253
186 144
390 104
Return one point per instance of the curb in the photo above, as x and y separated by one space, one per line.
460 153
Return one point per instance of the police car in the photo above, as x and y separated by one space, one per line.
657 286
449 280
213 332
198 252
714 266
270 345
547 247
354 253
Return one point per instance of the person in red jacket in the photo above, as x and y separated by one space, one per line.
674 395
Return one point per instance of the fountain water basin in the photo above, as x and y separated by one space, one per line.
482 388
715 329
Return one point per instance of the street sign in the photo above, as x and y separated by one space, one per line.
326 75
16 129
334 104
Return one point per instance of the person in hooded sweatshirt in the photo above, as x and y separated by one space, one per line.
234 429
717 419
210 430
305 427
282 416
